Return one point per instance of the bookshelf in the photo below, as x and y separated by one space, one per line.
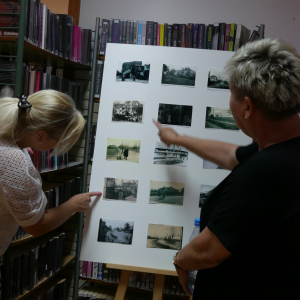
17 49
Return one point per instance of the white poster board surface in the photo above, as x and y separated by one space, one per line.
139 211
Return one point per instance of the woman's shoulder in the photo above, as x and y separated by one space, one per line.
10 152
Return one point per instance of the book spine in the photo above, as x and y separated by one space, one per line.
40 34
110 30
170 35
121 31
155 25
237 41
134 33
125 24
182 42
116 31
79 44
128 32
104 36
95 270
84 269
216 36
190 33
165 34
222 36
144 33
201 36
175 35
161 38
149 33
195 36
75 44
232 36
100 271
140 33
158 35
131 32
210 29
98 79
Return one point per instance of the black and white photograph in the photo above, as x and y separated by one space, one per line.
120 189
219 118
123 149
128 111
178 75
217 80
115 231
164 192
164 236
133 71
172 155
210 165
171 114
205 192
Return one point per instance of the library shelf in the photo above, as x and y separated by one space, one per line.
71 164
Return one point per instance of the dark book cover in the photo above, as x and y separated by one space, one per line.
205 37
210 29
179 34
169 35
48 42
110 31
216 31
69 36
190 33
195 36
56 34
116 31
127 40
41 18
165 34
149 33
201 35
175 35
98 81
125 24
183 30
134 33
131 32
93 138
27 21
121 31
222 36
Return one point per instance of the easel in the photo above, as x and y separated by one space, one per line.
159 282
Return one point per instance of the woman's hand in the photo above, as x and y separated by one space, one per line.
183 277
167 135
81 202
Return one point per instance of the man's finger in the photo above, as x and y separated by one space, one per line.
157 124
91 194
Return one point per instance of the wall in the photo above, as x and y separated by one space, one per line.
57 6
281 17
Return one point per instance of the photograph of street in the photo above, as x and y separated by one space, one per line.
128 111
178 75
172 155
120 189
210 165
163 192
217 80
115 231
123 149
219 118
205 191
175 114
133 71
164 236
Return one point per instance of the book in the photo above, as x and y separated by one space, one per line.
100 271
165 34
189 37
131 32
227 37
144 33
104 36
98 81
222 36
128 32
134 32
232 36
262 31
241 37
169 35
183 29
254 35
210 29
155 25
95 270
125 24
175 35
121 31
201 36
110 30
158 35
140 33
161 35
116 31
195 36
215 38
149 32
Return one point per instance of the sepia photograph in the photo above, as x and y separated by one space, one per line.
123 149
219 118
171 114
128 111
205 192
163 192
210 165
217 80
164 236
178 75
172 155
120 189
133 71
115 231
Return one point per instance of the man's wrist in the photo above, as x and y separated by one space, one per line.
175 261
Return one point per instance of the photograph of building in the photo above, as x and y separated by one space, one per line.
205 192
175 114
128 111
120 189
123 149
134 71
217 80
164 236
162 192
115 231
178 75
172 155
219 118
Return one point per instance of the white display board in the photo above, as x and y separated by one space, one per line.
142 213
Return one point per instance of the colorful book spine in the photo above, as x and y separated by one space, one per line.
140 33
161 35
210 29
89 269
201 35
131 32
232 36
100 271
95 270
165 34
121 31
84 269
170 35
158 35
134 33
128 32
195 36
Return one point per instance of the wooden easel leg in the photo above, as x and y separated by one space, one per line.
122 287
158 287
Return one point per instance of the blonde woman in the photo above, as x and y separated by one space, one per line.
45 120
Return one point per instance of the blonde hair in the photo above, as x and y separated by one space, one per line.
51 111
268 72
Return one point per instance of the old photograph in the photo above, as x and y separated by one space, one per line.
120 189
175 114
128 111
205 192
210 165
172 155
163 192
219 118
123 149
164 236
179 75
115 231
133 71
217 80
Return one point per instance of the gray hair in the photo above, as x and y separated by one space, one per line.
268 72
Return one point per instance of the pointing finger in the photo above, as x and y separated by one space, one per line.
157 124
91 194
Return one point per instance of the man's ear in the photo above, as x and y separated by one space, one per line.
40 136
249 107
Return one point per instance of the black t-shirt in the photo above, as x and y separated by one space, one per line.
255 213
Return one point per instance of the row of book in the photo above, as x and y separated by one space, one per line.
87 292
34 80
142 280
33 262
217 36
55 33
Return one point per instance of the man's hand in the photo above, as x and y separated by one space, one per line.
183 277
81 202
167 135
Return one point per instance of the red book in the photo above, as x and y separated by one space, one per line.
37 81
89 269
84 269
227 37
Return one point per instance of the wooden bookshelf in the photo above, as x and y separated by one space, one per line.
38 55
66 260
71 164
